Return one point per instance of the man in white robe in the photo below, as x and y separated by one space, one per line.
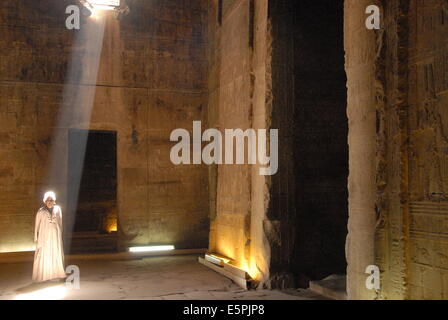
49 254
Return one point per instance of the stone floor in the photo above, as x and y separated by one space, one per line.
154 278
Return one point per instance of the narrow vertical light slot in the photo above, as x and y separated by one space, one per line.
151 248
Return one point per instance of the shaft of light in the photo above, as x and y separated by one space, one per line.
74 113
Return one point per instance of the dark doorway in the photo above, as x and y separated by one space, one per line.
321 145
310 102
94 206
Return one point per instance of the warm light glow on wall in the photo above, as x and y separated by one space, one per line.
227 249
251 269
238 259
151 248
112 225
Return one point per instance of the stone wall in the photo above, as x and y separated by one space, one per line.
427 120
231 94
397 89
396 82
151 79
256 85
361 49
238 99
170 62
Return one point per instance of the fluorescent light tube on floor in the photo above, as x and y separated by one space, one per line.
214 260
151 248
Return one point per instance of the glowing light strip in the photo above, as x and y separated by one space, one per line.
214 260
101 4
151 248
225 260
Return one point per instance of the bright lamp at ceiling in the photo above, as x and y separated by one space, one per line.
104 4
151 248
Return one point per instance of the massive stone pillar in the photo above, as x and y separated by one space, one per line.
361 60
239 98
377 71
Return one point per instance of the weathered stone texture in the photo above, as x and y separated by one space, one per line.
170 62
428 101
151 79
397 84
361 50
237 100
232 221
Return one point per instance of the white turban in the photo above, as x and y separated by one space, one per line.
49 194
